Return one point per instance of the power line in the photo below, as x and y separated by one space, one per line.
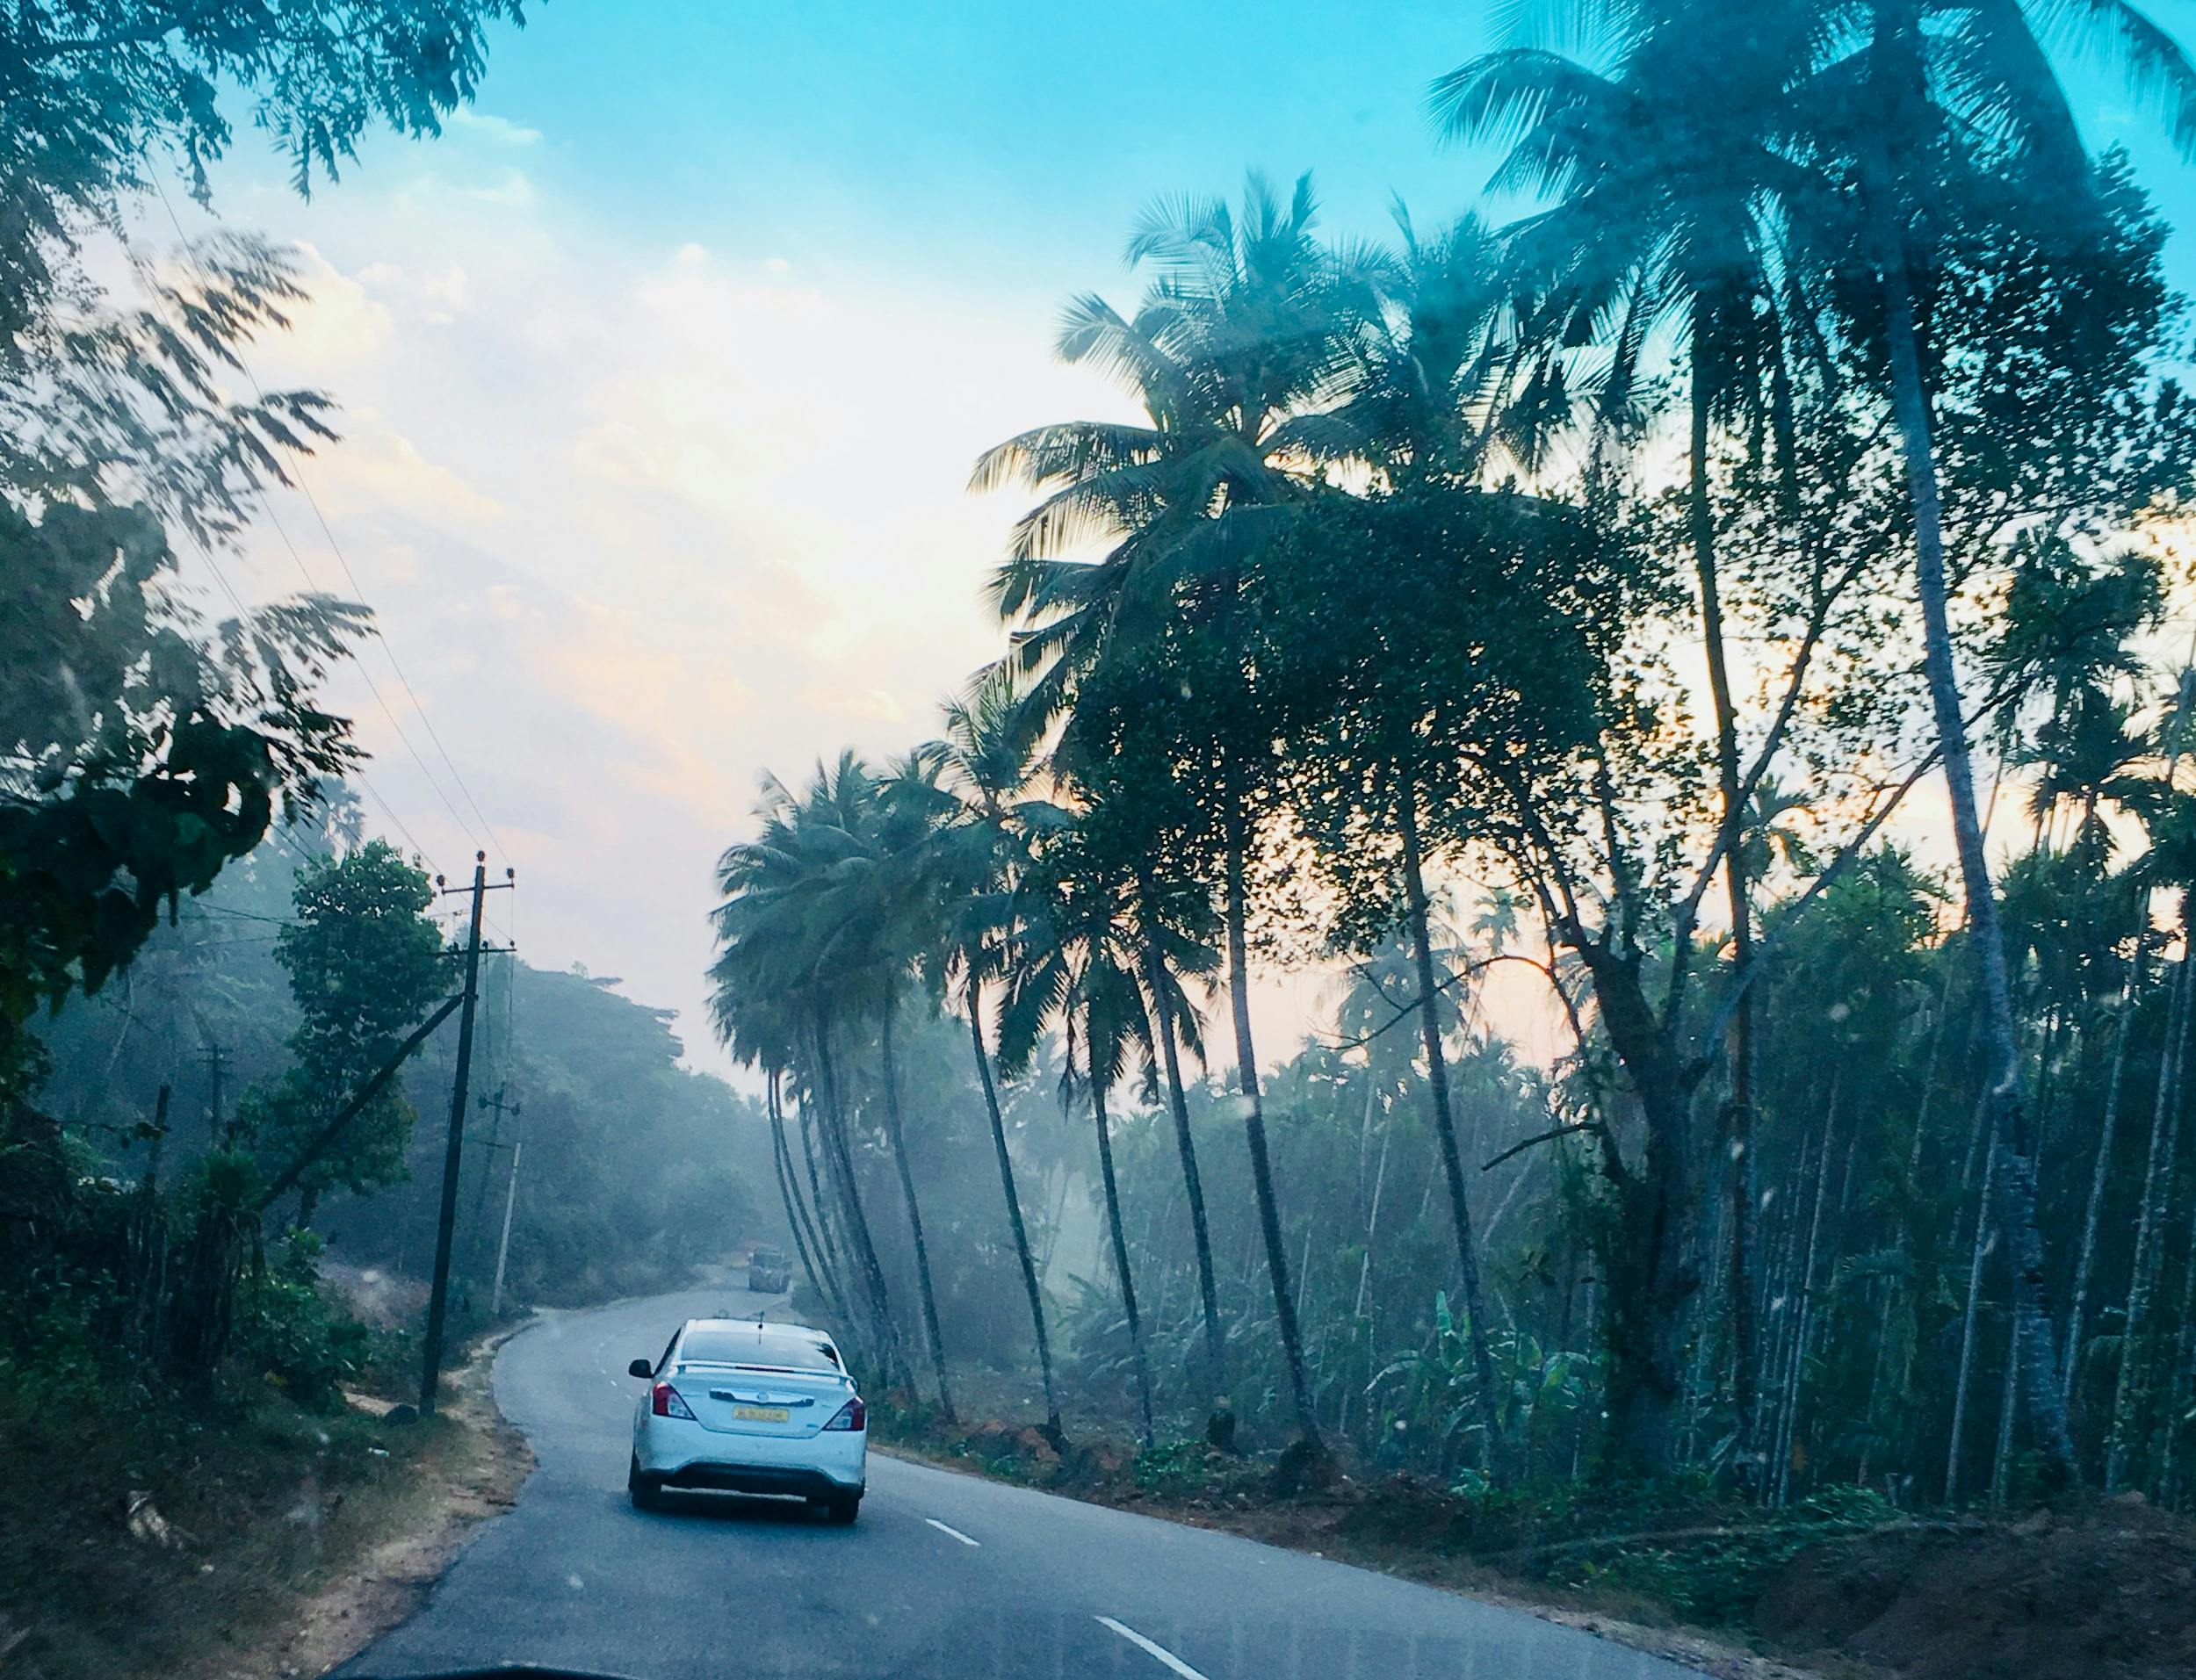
381 636
359 593
248 915
244 613
305 571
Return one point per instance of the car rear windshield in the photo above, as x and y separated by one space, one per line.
746 1348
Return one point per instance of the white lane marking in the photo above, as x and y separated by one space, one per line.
946 1528
1150 1649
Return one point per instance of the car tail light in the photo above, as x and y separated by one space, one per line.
853 1415
665 1402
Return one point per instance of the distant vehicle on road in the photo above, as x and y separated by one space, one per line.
741 1406
768 1271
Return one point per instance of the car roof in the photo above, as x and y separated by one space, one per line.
762 1329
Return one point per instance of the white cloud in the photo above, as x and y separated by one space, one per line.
438 293
375 470
514 191
341 321
501 128
646 525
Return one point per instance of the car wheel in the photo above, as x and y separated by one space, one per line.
844 1507
645 1490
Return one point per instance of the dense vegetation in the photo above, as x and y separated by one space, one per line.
1605 598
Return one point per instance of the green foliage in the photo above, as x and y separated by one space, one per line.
1433 1389
286 1329
1715 1575
145 750
365 963
1171 1469
105 92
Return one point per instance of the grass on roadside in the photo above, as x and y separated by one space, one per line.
136 1539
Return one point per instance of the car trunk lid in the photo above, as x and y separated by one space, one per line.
762 1400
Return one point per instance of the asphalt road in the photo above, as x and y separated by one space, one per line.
945 1576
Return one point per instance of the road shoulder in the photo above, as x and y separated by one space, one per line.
393 1557
1285 1526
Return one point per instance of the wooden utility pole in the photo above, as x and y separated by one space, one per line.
453 1151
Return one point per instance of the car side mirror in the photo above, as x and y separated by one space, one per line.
641 1368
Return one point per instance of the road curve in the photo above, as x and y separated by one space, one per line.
945 1576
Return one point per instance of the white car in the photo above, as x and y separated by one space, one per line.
744 1406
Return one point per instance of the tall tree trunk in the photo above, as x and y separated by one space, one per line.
1160 985
1980 1251
805 1241
2166 1489
2017 1179
828 1243
1054 1430
914 1209
1113 1225
2122 1030
840 1156
811 1262
2002 1459
1652 1272
1254 1130
2108 1134
1778 1301
2158 1175
1739 1106
1380 1179
1802 1310
809 1214
1416 908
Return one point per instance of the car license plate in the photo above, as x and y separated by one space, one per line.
761 1414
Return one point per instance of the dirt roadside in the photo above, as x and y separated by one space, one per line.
398 1551
481 1477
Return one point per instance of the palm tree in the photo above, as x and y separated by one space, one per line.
1076 957
976 857
886 839
1247 326
780 971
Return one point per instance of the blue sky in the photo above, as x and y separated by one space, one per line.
991 146
663 369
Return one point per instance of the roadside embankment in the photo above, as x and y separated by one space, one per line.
260 1541
1842 1585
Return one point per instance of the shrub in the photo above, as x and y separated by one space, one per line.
287 1331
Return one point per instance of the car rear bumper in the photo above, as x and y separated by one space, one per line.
759 1478
682 1454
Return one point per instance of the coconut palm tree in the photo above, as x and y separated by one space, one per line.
974 777
1075 959
1247 325
781 971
